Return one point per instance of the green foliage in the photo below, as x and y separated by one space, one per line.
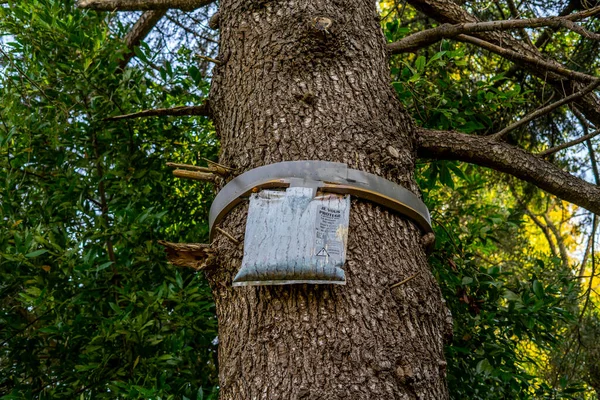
507 310
440 95
89 307
514 306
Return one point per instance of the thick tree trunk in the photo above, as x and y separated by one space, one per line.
289 90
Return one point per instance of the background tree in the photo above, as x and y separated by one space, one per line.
88 305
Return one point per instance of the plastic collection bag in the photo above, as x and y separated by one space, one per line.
293 237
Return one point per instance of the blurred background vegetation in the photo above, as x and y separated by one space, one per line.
89 307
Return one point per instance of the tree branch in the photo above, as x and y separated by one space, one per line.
139 31
141 5
570 143
447 11
213 168
514 12
446 31
525 58
193 255
500 156
564 255
196 176
545 230
545 110
588 248
201 110
546 35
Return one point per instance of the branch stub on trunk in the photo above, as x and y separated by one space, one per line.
192 255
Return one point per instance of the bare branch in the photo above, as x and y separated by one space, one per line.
585 124
593 272
569 144
545 110
588 248
446 31
546 35
526 58
402 282
500 156
447 11
227 235
515 14
141 5
139 31
201 110
191 31
544 228
195 175
564 256
209 59
220 167
213 168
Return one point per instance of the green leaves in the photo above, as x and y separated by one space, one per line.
87 298
538 289
36 253
501 301
484 367
441 94
420 65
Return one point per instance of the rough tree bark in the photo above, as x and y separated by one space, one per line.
289 88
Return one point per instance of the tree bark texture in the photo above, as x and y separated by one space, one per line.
501 156
141 5
310 80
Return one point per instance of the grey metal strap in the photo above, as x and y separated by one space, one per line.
325 176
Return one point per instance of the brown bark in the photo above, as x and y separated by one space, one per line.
487 152
429 36
192 255
139 31
141 5
292 89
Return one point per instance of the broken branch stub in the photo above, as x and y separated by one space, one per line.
194 175
192 255
219 168
213 168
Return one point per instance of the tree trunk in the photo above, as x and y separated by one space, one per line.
291 88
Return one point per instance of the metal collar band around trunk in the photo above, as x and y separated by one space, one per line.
326 176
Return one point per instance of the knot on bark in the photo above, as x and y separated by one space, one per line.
214 22
322 24
428 242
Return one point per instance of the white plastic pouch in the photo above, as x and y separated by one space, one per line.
293 237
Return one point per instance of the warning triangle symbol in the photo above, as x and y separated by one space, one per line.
323 253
